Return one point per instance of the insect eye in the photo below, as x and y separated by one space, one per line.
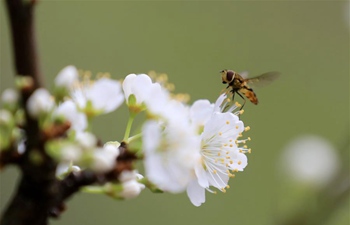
229 75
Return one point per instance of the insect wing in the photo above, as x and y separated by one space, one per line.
263 79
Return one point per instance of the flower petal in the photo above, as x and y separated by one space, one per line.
196 193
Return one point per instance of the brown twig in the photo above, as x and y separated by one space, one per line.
40 194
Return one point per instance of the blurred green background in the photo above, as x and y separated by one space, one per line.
308 42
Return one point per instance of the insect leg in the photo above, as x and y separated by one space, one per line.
233 96
243 100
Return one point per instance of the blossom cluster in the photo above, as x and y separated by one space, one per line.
184 147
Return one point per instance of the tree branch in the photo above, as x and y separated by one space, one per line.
35 190
21 20
40 194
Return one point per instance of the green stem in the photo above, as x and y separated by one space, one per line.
135 137
93 190
128 126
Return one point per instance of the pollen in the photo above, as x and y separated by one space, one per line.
249 139
220 133
239 162
184 98
231 145
228 186
245 146
103 75
238 105
241 111
231 161
237 127
231 175
247 128
230 140
223 190
215 172
227 122
249 150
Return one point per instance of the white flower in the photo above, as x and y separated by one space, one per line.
69 110
86 140
102 96
139 86
131 188
219 149
40 102
71 152
67 77
5 117
104 159
310 160
64 168
9 96
169 155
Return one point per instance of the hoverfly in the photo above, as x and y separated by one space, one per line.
240 84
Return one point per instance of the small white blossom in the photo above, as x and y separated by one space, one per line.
70 111
67 77
70 153
64 168
9 96
5 117
139 86
21 147
102 96
104 159
86 140
310 160
40 102
127 175
131 187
